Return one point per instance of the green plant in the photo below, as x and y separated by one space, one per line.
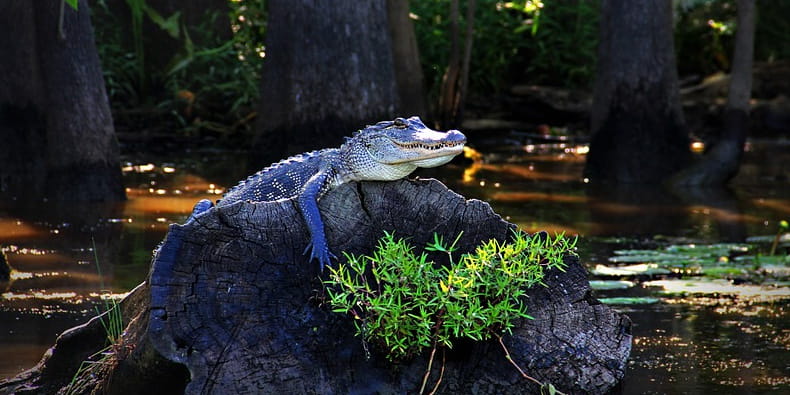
404 303
248 19
704 36
112 321
211 88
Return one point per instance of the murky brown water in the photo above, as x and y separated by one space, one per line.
692 344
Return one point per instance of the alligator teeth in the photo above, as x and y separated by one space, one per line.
429 146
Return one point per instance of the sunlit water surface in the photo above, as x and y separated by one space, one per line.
68 256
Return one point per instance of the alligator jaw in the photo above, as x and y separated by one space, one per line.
427 145
446 152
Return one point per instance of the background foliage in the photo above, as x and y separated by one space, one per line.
512 42
211 83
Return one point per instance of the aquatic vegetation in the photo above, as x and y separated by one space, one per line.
720 260
623 300
643 269
755 293
783 226
602 285
726 273
102 361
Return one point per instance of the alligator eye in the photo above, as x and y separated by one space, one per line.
400 123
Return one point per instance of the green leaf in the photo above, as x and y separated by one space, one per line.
170 25
548 388
72 3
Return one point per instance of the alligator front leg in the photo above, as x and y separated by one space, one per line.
308 204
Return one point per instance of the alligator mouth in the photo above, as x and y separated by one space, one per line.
425 151
430 146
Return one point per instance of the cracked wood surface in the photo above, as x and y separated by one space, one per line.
236 302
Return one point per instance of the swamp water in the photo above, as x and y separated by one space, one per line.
715 322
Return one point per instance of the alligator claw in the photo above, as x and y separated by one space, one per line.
321 253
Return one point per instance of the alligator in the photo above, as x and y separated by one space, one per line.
386 151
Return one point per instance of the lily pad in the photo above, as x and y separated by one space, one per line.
784 238
605 285
720 287
629 300
643 269
682 255
764 260
645 256
722 271
719 249
710 260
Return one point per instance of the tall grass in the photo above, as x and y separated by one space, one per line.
100 363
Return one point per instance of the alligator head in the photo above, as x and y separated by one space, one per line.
392 149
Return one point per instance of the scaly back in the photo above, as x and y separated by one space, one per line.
282 180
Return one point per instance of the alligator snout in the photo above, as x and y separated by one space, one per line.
455 136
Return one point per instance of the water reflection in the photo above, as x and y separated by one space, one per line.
58 251
690 348
684 343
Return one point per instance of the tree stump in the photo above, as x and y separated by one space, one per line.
234 300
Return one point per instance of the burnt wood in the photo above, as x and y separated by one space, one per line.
232 306
234 299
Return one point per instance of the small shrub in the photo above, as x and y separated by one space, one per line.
403 303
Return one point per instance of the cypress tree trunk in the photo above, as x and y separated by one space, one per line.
721 162
328 71
456 77
638 128
55 123
406 58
